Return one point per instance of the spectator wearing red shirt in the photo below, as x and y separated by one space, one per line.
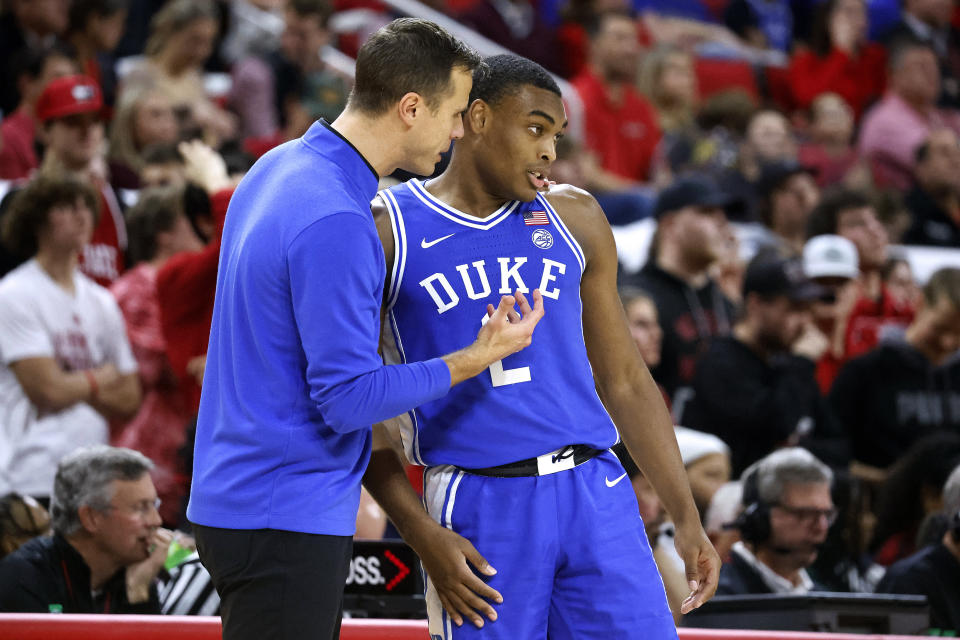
33 69
850 214
840 59
69 109
158 230
621 126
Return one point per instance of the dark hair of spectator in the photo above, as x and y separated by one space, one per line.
175 16
825 216
595 24
30 210
30 62
407 55
156 211
731 109
629 295
893 261
506 74
926 465
17 523
944 284
820 40
161 153
322 9
82 10
899 49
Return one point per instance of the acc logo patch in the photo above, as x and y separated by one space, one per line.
542 238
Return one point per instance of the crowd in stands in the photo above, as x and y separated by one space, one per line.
769 167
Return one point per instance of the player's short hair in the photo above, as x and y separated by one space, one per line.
944 284
506 74
407 55
30 209
86 476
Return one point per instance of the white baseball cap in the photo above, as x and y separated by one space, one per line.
830 256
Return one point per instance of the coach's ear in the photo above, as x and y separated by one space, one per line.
410 106
477 115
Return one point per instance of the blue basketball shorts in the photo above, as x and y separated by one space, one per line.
569 548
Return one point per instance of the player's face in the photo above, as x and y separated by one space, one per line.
442 125
521 142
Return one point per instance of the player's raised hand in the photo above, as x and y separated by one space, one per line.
445 558
702 565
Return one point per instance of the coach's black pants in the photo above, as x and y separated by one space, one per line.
276 584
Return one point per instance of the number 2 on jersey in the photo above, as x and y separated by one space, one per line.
501 377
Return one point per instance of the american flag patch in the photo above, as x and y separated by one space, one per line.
535 217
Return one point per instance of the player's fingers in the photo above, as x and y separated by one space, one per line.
476 559
464 609
481 588
477 604
450 609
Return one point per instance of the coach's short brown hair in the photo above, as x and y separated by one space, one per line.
30 210
409 54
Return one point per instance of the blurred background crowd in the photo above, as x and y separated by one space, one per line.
782 177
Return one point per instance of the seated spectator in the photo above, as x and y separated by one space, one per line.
851 214
620 125
911 495
93 31
33 70
163 166
769 140
722 512
706 459
934 201
181 39
67 366
280 93
641 312
929 22
900 283
787 512
69 109
158 229
693 311
22 519
516 25
934 571
905 388
25 25
668 81
840 59
107 547
756 388
908 113
829 152
787 194
764 25
831 261
144 117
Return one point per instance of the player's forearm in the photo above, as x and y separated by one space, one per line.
387 482
646 427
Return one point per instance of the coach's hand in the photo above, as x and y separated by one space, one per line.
445 555
702 564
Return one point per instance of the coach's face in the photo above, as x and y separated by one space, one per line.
520 135
437 125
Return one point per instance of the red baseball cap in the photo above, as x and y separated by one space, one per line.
67 96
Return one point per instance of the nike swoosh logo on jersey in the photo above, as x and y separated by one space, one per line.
427 245
613 483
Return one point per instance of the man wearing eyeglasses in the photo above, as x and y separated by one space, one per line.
107 545
787 512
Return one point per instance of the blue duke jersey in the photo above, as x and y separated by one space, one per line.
448 266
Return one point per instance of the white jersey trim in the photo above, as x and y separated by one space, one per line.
416 187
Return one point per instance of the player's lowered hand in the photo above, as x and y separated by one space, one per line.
702 565
445 555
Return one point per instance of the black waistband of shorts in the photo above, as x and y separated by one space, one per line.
580 452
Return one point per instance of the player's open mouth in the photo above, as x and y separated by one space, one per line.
538 179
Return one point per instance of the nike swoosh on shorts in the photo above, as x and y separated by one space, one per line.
612 483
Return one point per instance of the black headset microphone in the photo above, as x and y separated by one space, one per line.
754 521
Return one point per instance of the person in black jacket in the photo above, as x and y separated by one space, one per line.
691 224
756 389
787 512
107 547
905 388
934 571
934 201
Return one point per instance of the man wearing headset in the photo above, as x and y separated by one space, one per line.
787 512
